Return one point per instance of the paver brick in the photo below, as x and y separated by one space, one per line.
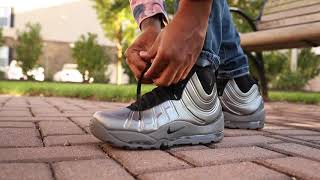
16 125
239 171
293 132
82 121
70 140
242 141
50 154
308 138
98 169
241 132
289 139
32 119
59 128
226 155
297 150
19 137
15 113
139 162
295 166
43 110
4 108
272 127
25 171
187 148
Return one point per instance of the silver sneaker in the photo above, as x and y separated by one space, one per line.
184 113
242 110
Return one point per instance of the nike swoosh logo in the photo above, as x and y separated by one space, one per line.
170 131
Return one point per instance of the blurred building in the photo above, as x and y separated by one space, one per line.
61 26
6 21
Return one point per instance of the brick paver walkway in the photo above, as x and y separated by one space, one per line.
49 139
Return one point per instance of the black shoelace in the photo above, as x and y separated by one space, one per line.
138 99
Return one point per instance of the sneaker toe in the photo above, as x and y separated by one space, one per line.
113 119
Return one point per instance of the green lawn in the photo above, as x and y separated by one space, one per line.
298 97
108 92
123 93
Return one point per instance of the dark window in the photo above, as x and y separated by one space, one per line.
3 21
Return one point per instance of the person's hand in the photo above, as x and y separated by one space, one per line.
150 30
177 48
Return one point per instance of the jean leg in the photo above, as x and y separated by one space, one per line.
234 63
210 51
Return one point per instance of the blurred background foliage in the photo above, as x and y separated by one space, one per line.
277 63
1 37
113 13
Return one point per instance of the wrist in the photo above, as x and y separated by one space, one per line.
152 23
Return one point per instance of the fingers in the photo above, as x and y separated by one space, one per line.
135 62
167 77
186 72
152 52
180 74
157 67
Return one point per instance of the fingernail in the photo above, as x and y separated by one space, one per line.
143 53
146 75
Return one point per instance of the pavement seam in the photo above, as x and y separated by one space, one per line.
260 163
290 139
118 162
36 125
295 127
181 159
289 154
6 101
83 129
40 133
53 173
69 118
274 150
51 161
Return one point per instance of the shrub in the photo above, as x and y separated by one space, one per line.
278 72
29 47
308 64
90 57
289 81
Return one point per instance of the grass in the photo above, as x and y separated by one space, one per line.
121 93
107 92
297 97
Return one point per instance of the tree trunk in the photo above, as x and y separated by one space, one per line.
119 64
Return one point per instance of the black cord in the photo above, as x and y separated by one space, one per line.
139 89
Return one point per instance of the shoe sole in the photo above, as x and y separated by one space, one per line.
211 133
252 121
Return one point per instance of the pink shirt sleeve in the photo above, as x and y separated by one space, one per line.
142 9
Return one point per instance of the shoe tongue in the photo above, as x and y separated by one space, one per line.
161 94
207 78
152 98
245 83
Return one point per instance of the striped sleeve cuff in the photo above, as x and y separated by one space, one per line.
143 9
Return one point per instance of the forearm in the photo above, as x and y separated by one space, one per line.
153 22
195 12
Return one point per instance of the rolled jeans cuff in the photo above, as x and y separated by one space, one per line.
208 59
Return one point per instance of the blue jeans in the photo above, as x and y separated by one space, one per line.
222 44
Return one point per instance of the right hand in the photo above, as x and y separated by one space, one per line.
150 31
